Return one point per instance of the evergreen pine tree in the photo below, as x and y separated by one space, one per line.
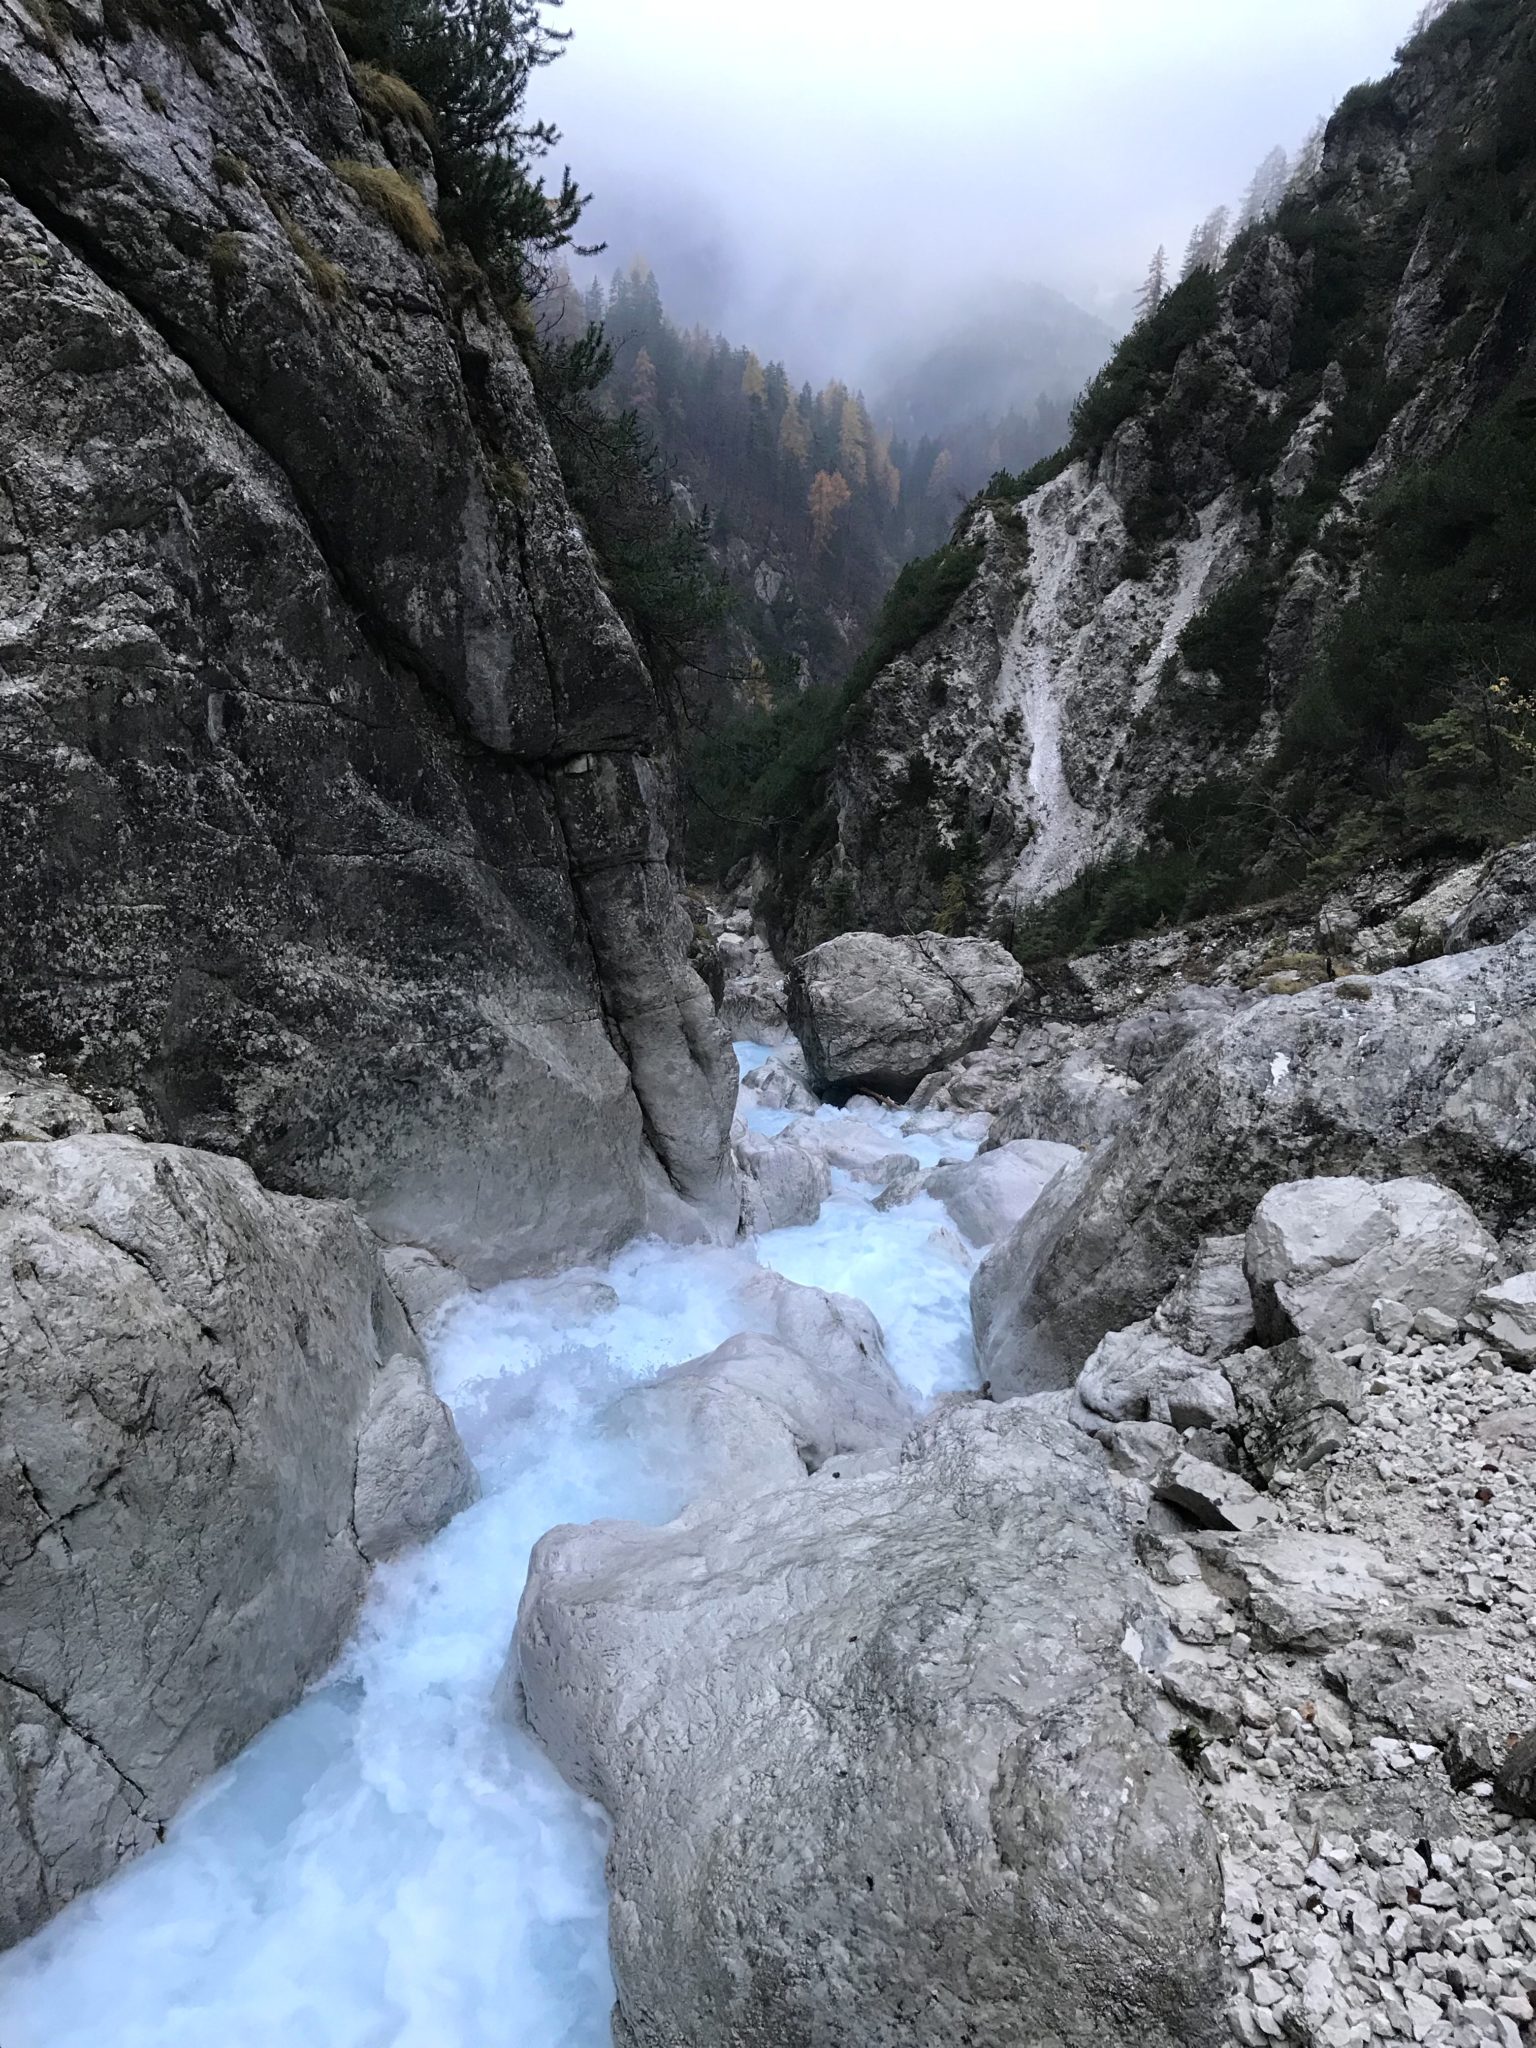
1155 290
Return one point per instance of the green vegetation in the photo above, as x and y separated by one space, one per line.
328 279
1228 640
388 98
1138 373
758 776
1012 485
469 63
656 564
226 256
230 170
396 201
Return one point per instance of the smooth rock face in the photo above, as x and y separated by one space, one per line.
986 1196
1429 1076
878 1767
880 1013
756 1414
211 1413
1320 1252
329 823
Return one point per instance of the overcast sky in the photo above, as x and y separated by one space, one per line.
805 173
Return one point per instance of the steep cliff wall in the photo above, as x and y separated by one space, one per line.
1185 647
330 813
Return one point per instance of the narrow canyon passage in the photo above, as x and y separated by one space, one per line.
392 1865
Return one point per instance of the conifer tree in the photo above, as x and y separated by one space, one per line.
1155 290
1266 188
1207 244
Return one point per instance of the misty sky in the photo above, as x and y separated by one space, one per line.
819 178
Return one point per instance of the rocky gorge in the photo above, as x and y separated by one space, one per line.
997 1512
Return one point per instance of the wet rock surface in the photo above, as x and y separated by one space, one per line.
879 1760
213 1415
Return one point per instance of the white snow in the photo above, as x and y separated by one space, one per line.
392 1865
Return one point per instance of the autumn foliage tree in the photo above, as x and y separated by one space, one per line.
828 496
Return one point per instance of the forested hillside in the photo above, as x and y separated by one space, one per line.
1270 614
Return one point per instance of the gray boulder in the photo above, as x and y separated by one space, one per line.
1136 1375
782 1184
1320 1252
756 1414
425 1288
880 1013
1304 1591
838 1331
986 1196
878 1766
777 1086
1075 1098
1295 1405
1503 902
212 1415
1428 1073
1209 1309
1506 1316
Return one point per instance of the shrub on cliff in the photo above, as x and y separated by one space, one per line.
470 63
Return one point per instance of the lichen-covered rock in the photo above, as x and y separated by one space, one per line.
212 1414
1427 1073
879 1013
329 822
878 1764
1319 1252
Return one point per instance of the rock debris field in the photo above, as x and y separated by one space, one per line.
1349 1742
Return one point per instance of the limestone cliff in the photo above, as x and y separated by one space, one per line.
1162 655
332 812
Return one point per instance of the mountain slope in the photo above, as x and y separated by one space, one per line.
1249 630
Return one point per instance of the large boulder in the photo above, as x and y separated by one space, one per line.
782 1184
1506 1315
986 1196
756 1413
1424 1071
1502 903
1320 1252
879 1767
213 1413
880 1013
1073 1099
1136 1375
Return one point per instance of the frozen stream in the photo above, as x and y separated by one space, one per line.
390 1865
